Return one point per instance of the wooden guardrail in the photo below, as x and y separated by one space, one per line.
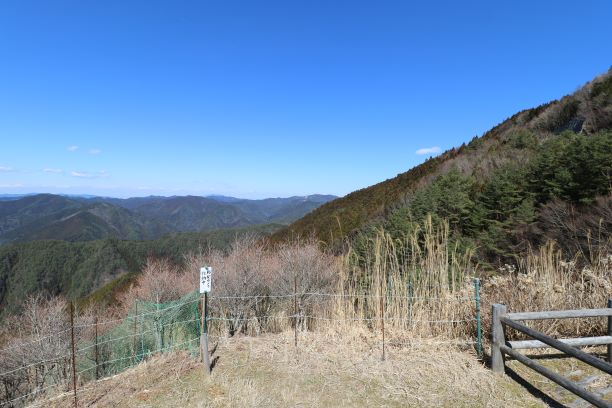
500 346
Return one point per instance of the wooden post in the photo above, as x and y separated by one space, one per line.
295 318
497 338
610 333
74 379
96 355
204 337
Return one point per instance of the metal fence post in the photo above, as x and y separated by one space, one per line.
158 331
610 332
96 354
204 338
478 321
382 317
497 337
135 341
383 291
72 343
295 318
410 300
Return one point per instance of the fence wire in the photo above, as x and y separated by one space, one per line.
152 328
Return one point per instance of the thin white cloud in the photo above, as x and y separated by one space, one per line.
95 151
72 148
428 150
82 174
89 174
6 169
51 170
15 185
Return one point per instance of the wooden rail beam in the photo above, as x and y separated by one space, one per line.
560 314
562 381
572 351
574 342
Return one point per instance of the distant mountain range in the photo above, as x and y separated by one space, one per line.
86 218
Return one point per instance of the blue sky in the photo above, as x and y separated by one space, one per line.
270 98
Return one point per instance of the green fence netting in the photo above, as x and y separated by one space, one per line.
150 328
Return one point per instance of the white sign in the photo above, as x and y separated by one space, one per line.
205 279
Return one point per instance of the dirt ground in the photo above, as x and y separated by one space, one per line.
326 370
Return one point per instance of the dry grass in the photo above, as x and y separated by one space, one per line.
545 281
421 284
330 369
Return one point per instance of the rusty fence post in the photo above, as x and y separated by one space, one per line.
204 338
96 353
74 378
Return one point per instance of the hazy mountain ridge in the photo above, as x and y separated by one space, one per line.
74 218
193 213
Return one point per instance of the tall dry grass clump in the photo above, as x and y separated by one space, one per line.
544 280
420 284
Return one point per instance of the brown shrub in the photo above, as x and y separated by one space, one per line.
160 281
37 352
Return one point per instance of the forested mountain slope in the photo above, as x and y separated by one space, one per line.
75 269
501 191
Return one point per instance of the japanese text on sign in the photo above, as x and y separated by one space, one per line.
205 279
